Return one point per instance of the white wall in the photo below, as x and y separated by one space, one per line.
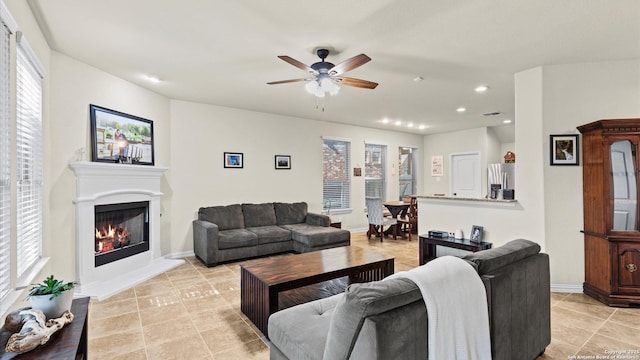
200 134
75 85
574 95
445 144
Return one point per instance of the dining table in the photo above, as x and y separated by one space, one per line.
397 207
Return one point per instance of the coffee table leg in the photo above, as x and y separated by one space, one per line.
256 300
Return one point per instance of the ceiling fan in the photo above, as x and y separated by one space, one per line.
326 76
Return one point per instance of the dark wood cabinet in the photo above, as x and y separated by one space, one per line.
611 211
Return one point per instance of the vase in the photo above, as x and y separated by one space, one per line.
52 308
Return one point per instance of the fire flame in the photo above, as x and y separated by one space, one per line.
111 238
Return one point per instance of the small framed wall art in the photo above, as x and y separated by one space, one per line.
283 162
233 160
564 149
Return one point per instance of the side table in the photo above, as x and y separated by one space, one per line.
70 342
336 224
427 246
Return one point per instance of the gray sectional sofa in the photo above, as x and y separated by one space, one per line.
232 232
387 319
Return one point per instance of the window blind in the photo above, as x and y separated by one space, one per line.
5 170
29 157
336 184
375 171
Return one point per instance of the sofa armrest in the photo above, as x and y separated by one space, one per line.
318 219
205 241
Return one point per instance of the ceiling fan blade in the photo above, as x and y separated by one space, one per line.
285 81
357 82
349 64
296 63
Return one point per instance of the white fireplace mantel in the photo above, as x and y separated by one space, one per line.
106 183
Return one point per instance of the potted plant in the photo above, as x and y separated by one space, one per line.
53 297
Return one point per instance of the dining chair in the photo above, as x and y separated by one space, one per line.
377 221
409 222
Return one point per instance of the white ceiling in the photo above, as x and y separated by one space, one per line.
224 52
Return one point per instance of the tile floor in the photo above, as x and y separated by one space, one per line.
193 312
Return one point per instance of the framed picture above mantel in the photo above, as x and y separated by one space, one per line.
117 137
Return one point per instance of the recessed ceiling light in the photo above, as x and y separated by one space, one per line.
422 127
410 125
153 78
507 121
418 78
461 109
384 121
481 88
398 123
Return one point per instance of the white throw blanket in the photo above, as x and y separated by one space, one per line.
456 304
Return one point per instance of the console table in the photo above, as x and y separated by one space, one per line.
70 342
427 250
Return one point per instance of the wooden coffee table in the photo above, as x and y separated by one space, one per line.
263 280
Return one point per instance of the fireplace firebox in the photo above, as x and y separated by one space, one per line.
121 230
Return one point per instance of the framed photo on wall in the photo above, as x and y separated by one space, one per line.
564 149
117 137
233 160
283 162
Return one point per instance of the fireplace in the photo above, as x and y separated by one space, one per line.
122 230
120 204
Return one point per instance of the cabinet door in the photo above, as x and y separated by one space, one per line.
623 183
628 267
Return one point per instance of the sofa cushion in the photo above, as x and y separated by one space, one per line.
317 236
258 215
301 331
226 217
236 238
361 301
270 234
493 259
294 213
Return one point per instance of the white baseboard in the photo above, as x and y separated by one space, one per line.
566 288
180 254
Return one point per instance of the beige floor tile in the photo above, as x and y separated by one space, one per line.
227 285
159 314
177 275
156 301
215 318
123 295
140 354
189 282
158 333
154 289
228 337
604 346
253 350
556 297
196 290
621 333
125 323
586 305
111 346
629 317
100 310
204 303
180 349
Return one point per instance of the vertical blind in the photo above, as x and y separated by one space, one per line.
336 184
29 159
374 171
5 170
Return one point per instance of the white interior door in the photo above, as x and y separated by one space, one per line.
465 176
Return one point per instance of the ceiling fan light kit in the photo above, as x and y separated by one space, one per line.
327 76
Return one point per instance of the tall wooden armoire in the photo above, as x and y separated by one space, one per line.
611 214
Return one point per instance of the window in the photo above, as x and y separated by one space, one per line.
408 171
336 184
374 171
29 75
5 170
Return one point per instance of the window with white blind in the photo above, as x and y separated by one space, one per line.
336 184
375 163
5 169
29 75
